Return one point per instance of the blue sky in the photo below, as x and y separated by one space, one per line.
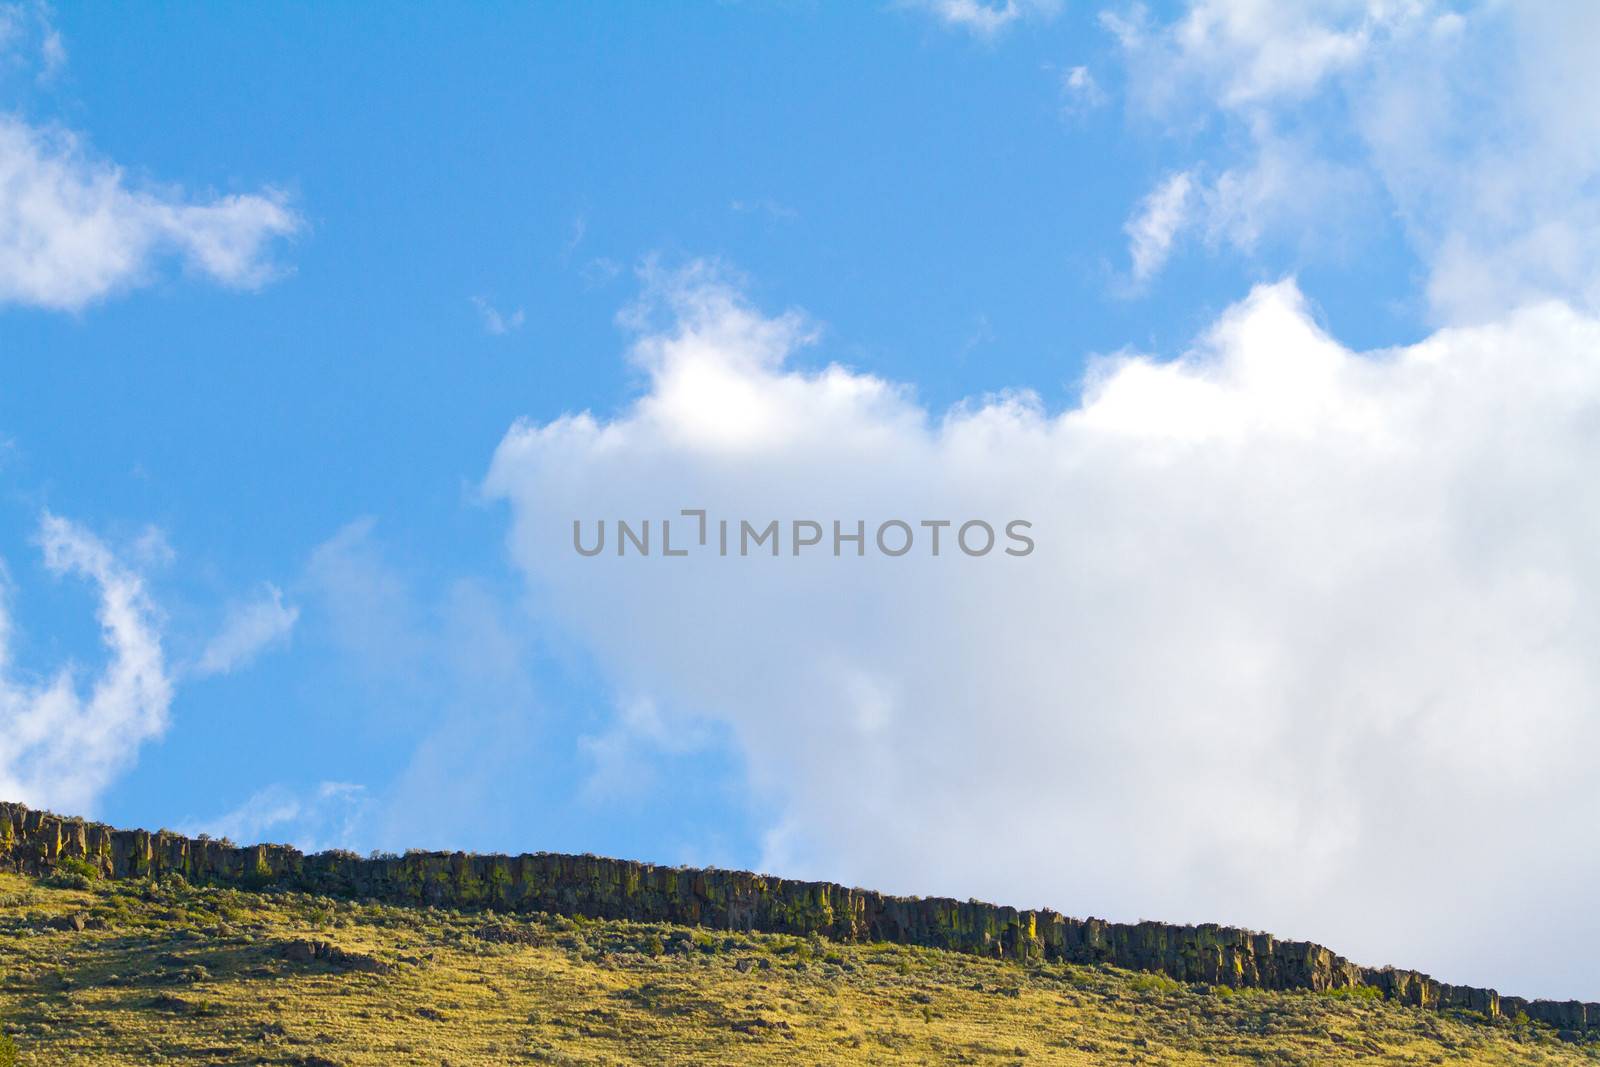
277 285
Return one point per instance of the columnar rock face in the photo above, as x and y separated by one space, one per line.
33 842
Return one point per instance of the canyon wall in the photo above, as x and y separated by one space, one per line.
33 842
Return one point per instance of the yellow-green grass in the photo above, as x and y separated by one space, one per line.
169 973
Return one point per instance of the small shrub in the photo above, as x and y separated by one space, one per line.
1153 983
72 873
8 1050
1357 993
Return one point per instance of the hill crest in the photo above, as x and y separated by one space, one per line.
37 842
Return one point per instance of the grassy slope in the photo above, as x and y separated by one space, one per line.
170 973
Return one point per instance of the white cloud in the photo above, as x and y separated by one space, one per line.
368 606
1283 192
448 675
1469 123
59 747
74 231
1247 54
248 630
599 272
1484 131
621 757
1255 50
52 54
29 39
1161 215
1306 643
1079 90
494 321
329 815
985 19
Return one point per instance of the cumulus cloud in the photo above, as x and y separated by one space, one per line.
1468 123
74 230
1306 642
247 631
59 746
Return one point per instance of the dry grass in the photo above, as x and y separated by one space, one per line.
173 974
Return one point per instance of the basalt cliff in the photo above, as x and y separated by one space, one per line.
35 842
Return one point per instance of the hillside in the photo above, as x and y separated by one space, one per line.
162 971
41 843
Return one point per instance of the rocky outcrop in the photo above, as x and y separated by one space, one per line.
35 842
306 950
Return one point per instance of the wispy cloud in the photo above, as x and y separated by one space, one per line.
1080 92
1458 124
248 630
494 321
450 672
1283 192
580 229
327 815
29 39
1154 227
621 756
983 18
1250 52
59 747
599 272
